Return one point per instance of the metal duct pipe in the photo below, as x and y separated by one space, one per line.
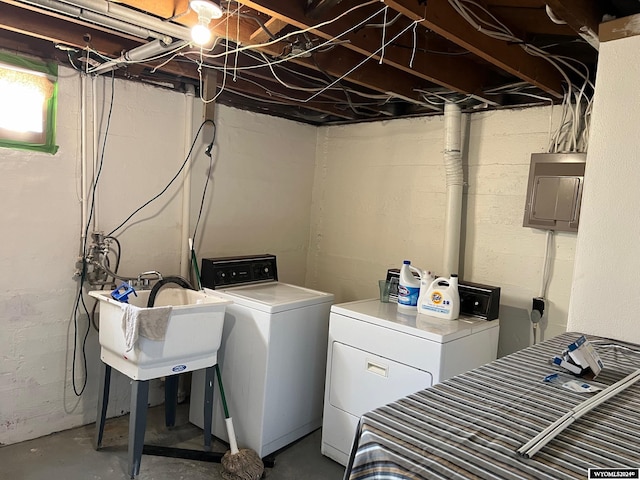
119 25
133 17
139 54
116 17
455 185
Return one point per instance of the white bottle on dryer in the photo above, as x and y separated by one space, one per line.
441 299
408 288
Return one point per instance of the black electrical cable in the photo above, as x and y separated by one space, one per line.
207 152
80 296
170 182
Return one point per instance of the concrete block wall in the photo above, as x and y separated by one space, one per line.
379 198
337 205
262 180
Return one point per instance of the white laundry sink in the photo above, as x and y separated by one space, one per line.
191 341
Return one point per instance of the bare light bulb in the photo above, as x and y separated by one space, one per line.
200 34
206 10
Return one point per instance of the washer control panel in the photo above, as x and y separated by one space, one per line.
232 271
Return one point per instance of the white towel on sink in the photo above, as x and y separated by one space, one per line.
150 323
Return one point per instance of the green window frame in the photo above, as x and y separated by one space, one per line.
44 74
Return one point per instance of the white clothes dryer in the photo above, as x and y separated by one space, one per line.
377 355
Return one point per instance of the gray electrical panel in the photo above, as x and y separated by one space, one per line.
554 192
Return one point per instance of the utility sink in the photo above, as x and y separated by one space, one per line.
191 341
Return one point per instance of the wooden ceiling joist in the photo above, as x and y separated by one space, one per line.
41 25
457 74
280 95
341 62
316 8
274 25
583 17
441 17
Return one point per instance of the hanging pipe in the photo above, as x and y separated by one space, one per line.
455 185
83 154
185 250
117 17
94 146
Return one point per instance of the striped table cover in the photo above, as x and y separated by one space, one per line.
471 425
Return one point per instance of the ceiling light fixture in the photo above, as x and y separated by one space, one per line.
206 10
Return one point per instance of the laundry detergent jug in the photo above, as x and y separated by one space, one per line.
441 298
408 287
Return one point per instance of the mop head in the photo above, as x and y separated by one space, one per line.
244 465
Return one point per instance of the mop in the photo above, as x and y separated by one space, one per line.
243 464
237 464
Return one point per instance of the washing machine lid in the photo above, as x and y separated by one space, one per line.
273 297
436 329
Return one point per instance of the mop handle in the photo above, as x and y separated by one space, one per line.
224 399
194 262
233 443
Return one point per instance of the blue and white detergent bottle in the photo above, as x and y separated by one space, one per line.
408 287
441 298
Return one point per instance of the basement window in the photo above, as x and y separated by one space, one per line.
28 102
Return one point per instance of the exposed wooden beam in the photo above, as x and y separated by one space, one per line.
274 25
246 63
584 16
316 8
276 93
339 62
29 21
458 74
531 20
620 28
440 16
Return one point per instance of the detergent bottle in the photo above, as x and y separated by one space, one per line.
425 282
441 299
408 287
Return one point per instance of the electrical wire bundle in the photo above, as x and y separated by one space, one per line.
572 135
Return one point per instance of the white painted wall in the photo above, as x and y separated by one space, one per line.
605 292
261 190
379 198
259 202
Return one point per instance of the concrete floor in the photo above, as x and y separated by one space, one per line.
70 455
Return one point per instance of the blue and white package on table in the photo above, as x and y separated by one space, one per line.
582 352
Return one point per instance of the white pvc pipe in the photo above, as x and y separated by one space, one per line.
94 146
455 186
83 153
185 251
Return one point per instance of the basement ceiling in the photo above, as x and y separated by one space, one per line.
331 61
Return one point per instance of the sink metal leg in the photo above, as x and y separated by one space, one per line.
171 399
103 402
137 423
208 406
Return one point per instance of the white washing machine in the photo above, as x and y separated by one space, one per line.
377 355
272 356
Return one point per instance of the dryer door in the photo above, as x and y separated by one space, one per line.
362 381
